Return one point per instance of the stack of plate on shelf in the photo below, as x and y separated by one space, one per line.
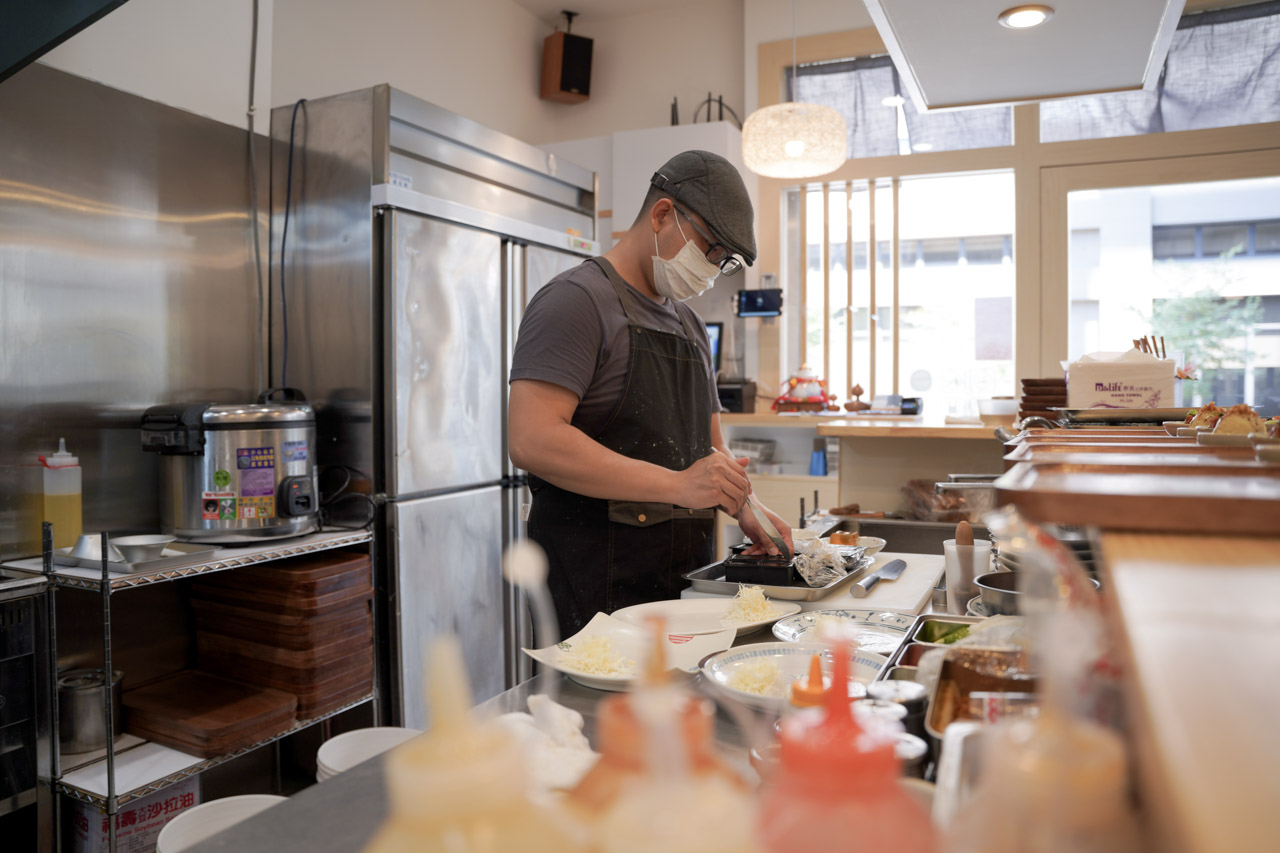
346 750
202 714
1041 395
302 625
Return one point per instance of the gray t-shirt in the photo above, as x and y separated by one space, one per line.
574 334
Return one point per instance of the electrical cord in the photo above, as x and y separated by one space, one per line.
340 496
284 237
253 192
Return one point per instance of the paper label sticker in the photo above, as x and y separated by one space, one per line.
257 467
217 506
257 508
294 451
399 179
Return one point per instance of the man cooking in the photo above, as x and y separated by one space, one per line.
613 405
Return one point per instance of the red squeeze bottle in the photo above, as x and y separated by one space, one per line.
837 784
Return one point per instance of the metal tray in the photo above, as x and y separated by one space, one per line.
1122 416
1220 499
175 554
1037 451
711 579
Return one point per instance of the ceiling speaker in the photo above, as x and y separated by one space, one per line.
566 68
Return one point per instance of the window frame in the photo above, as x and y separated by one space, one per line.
1043 173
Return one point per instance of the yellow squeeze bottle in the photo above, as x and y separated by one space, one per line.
461 786
62 504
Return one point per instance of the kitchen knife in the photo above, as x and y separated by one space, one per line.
889 571
767 526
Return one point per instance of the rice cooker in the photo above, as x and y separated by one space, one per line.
236 473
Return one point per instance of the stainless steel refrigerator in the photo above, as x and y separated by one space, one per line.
412 241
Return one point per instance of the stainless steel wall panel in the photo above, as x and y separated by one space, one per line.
449 553
447 369
329 274
126 280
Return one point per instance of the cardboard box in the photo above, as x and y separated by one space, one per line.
138 823
1121 380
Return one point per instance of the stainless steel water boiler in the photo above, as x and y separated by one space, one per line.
236 473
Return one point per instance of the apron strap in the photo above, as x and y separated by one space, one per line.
625 296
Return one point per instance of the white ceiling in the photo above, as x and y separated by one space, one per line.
550 11
956 53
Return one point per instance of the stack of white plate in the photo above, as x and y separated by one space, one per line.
208 819
351 748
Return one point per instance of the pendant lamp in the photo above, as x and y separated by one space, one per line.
794 140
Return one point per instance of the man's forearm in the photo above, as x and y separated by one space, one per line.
567 457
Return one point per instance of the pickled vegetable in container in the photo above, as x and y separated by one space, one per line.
62 501
461 786
836 782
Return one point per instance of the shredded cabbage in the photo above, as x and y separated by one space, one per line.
594 655
749 605
759 677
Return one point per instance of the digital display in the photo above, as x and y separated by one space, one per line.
759 303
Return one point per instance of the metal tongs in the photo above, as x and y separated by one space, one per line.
767 526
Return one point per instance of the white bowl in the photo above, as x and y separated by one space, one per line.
208 819
346 750
792 660
997 411
137 549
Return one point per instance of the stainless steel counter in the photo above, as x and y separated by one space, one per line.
343 813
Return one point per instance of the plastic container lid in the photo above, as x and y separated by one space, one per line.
61 459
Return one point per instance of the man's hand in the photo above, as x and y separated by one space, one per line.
715 480
760 541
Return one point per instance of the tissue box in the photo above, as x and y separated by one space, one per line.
1120 380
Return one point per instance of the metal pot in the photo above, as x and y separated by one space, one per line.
1000 594
82 712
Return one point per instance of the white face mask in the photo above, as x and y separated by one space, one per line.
684 276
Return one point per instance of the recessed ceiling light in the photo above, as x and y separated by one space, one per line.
893 101
922 146
1022 17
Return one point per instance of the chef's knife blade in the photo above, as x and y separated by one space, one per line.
889 571
767 526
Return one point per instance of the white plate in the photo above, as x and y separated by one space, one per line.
792 660
699 615
1225 439
879 632
977 608
633 642
873 544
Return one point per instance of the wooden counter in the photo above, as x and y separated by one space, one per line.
914 428
1199 618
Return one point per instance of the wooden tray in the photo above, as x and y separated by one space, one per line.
1188 462
1079 436
211 748
199 706
277 603
346 622
1228 500
1025 452
287 624
307 576
292 679
1108 433
332 648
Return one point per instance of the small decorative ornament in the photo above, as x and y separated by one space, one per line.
856 405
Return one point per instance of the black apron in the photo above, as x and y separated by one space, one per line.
604 555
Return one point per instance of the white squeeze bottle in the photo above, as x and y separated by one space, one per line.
460 787
62 495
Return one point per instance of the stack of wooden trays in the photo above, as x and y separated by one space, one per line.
204 715
303 626
1039 395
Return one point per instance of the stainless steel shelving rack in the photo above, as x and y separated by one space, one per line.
100 790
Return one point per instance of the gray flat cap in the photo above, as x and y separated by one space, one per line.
711 187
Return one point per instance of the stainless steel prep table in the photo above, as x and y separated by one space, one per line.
342 814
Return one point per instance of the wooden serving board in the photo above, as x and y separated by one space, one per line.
199 706
1228 500
333 647
278 603
232 622
166 736
287 678
307 576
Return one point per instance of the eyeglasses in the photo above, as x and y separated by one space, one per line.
717 253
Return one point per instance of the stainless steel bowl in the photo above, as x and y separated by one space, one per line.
137 549
1000 594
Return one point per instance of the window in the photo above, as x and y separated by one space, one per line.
1205 287
883 121
952 340
1222 70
